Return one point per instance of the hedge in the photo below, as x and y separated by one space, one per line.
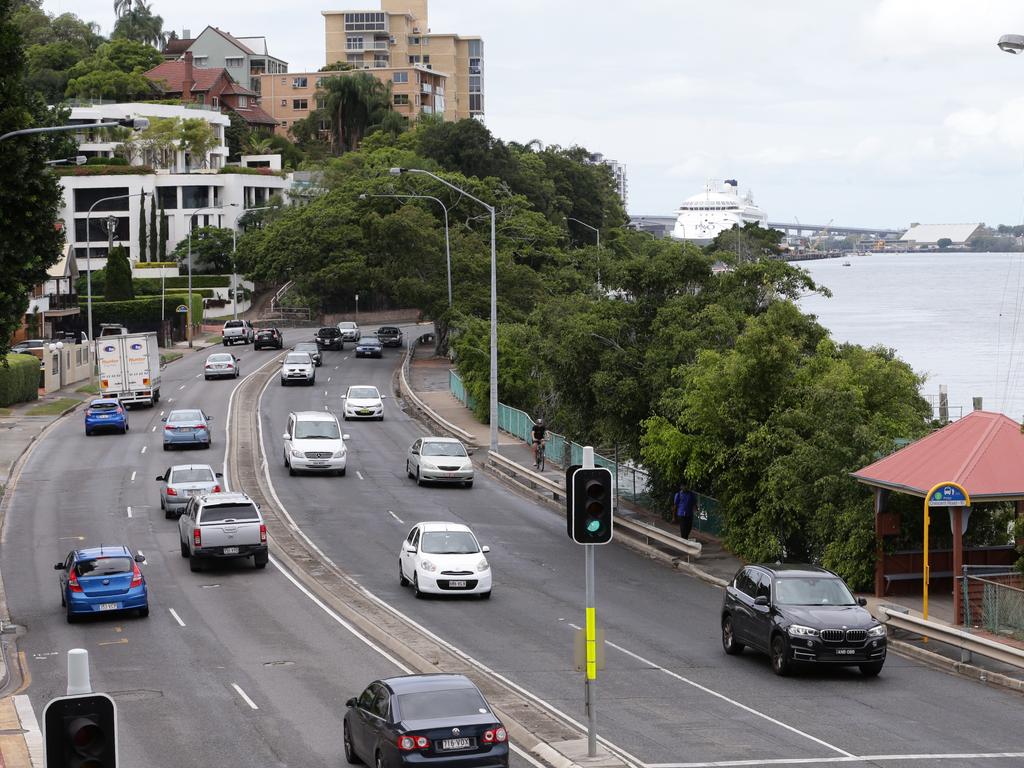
240 169
19 379
154 265
106 161
105 170
143 310
151 285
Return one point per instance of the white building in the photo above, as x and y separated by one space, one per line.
618 172
928 235
188 189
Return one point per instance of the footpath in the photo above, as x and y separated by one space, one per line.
428 378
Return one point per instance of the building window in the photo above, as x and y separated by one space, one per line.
284 123
200 98
167 197
195 197
318 82
199 61
299 82
84 198
474 84
400 77
325 125
414 40
321 102
243 101
233 61
284 81
284 102
474 66
401 99
98 229
414 60
381 60
354 43
476 48
300 104
354 58
214 102
476 103
365 22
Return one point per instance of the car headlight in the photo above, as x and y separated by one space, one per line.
339 454
483 565
298 454
796 630
428 465
877 631
428 566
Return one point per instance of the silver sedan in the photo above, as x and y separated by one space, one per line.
183 481
221 364
439 460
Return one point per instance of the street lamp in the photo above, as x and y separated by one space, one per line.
188 314
76 160
447 246
494 297
135 123
1011 43
597 232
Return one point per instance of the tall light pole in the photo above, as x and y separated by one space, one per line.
188 314
135 123
447 245
494 296
597 232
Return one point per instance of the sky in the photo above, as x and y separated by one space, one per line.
859 112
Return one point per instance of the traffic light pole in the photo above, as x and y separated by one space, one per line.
590 641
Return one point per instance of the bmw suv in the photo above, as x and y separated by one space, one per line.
800 614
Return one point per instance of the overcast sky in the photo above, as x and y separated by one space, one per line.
865 112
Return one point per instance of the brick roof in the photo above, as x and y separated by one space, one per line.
172 73
254 115
177 46
983 452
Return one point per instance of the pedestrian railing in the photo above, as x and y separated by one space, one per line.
993 605
958 638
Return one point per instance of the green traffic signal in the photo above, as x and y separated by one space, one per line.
590 505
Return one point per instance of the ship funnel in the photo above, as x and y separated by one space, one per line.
731 182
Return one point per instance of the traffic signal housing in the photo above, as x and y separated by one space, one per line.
591 506
80 732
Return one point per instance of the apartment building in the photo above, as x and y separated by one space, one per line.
245 58
399 35
415 90
618 172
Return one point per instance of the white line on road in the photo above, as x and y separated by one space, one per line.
133 474
336 367
33 736
198 375
181 387
395 516
169 400
829 760
177 618
129 511
328 379
161 413
143 449
245 698
153 429
359 474
325 393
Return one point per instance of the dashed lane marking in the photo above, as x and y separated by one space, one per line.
359 474
177 618
129 511
867 759
395 516
143 449
133 474
244 696
181 387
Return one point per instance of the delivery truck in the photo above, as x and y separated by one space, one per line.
129 367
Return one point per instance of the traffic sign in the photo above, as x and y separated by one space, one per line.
181 308
949 495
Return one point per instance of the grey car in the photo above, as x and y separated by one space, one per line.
310 348
183 481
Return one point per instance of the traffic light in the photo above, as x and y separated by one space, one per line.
592 506
80 732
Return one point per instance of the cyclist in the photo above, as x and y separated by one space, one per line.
540 433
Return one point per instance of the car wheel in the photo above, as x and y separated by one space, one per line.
402 581
236 373
225 342
485 595
260 561
206 377
729 642
379 760
872 669
206 446
88 433
126 428
168 515
70 616
350 755
284 383
419 480
408 471
194 565
184 548
341 472
468 484
167 447
416 587
780 656
380 418
143 612
291 470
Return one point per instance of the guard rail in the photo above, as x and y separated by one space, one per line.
944 633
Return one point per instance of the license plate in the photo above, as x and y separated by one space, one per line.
449 474
230 550
455 744
318 463
845 651
104 416
457 584
184 429
364 412
109 606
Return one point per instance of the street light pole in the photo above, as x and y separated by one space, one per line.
494 297
598 233
135 123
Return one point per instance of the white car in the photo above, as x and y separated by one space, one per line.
298 366
439 460
221 364
349 331
313 442
363 402
444 558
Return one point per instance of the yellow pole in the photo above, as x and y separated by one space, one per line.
927 521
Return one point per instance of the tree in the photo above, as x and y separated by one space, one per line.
196 139
143 240
944 243
162 240
115 71
30 195
236 135
354 102
153 233
211 251
119 276
141 25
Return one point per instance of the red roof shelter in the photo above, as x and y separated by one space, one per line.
983 452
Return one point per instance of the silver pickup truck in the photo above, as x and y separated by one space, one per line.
222 526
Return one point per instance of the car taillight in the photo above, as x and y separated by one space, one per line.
197 537
208 365
171 492
136 575
199 426
120 410
170 427
410 742
263 533
73 584
216 489
495 736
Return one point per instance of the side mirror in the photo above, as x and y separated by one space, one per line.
59 567
286 436
861 602
344 437
410 549
164 420
344 397
139 557
159 477
219 474
485 549
760 600
351 702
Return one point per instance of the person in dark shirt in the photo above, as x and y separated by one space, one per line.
539 434
684 503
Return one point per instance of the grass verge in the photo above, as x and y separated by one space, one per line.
170 357
54 407
88 389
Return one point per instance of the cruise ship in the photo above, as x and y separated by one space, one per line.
701 217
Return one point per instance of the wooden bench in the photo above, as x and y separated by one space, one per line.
891 577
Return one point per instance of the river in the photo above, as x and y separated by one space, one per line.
957 318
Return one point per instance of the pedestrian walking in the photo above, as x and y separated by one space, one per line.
684 503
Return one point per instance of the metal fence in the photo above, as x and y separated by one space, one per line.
632 483
999 608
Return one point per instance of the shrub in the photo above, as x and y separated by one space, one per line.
19 379
141 311
106 161
252 171
105 170
155 265
118 284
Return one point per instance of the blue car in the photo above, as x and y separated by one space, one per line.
105 414
102 580
369 346
187 427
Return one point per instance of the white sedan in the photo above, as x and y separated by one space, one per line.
439 460
221 364
363 402
442 559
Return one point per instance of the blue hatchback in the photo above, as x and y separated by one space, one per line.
106 413
102 580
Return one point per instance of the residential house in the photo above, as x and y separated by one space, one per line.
245 58
53 304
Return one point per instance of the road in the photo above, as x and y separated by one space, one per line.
668 697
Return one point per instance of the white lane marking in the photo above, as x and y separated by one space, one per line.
177 618
129 511
198 375
33 736
395 516
153 429
133 474
328 379
359 474
143 449
245 697
623 754
161 413
336 367
170 399
726 699
325 393
181 387
830 760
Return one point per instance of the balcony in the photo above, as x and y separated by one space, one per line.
426 88
376 45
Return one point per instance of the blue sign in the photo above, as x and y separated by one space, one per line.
948 496
181 308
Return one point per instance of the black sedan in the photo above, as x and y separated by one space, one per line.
369 346
437 720
800 614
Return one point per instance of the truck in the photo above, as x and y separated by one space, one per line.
218 526
129 367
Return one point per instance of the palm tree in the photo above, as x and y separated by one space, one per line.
141 25
258 145
354 102
121 7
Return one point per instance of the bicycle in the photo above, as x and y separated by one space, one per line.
538 462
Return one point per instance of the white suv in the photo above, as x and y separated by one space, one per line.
349 331
313 441
236 331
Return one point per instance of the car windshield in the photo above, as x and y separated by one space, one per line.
329 332
368 340
347 326
305 346
104 405
317 430
265 332
449 543
363 393
443 449
180 417
237 511
297 359
387 330
233 324
104 566
191 475
812 591
222 358
428 705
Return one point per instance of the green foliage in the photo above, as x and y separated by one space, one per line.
153 233
143 239
196 139
106 161
944 243
236 135
118 282
141 311
245 171
212 251
1018 537
19 379
338 66
747 243
53 45
162 238
140 25
354 103
114 71
104 170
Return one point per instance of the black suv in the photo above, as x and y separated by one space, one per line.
268 337
329 337
800 613
390 336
